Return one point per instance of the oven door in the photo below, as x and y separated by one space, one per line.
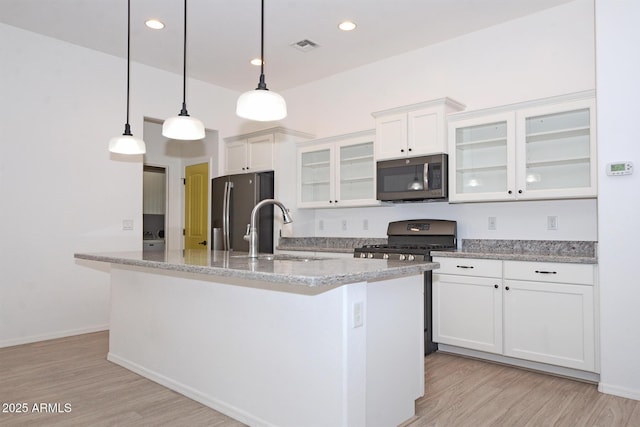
413 179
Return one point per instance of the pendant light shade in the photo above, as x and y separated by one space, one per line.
261 104
127 143
183 126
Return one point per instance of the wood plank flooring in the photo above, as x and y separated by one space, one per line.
459 392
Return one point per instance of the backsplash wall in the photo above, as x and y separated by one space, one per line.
527 220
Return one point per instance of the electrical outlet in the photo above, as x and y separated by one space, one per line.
492 223
344 225
127 224
358 316
365 224
552 222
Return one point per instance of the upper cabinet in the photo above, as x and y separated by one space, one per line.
413 130
267 149
249 154
544 149
337 172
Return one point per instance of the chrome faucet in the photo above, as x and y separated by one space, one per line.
252 228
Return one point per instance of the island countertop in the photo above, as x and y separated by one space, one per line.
308 272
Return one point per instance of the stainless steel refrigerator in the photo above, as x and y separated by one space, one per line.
232 200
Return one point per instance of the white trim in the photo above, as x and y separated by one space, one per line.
53 335
619 391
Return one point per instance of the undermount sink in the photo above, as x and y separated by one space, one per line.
281 257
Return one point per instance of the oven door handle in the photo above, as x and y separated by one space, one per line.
425 176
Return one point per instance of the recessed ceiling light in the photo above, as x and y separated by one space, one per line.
256 61
347 26
154 24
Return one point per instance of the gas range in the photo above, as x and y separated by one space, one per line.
412 240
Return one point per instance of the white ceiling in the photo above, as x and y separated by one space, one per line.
223 35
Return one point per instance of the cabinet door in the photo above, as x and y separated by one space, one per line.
236 157
482 158
425 132
260 152
550 323
355 173
391 136
557 151
315 179
467 312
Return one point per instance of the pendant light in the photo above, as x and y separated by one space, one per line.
127 143
183 126
261 104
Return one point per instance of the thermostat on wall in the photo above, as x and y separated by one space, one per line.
619 168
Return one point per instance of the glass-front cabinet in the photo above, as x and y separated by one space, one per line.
338 171
557 151
541 151
483 155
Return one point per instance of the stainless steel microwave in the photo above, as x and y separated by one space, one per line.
413 179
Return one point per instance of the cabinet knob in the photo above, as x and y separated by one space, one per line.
509 191
335 201
506 288
410 149
495 286
402 150
330 201
519 191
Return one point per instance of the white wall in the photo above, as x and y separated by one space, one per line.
60 190
546 54
618 68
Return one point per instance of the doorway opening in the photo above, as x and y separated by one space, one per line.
154 203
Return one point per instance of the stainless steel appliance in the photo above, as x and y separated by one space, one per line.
413 179
413 241
232 200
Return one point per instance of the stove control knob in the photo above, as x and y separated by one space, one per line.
402 257
370 255
385 256
363 255
411 257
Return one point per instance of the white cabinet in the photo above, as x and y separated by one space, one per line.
467 303
337 172
153 190
413 130
549 313
541 312
250 154
543 149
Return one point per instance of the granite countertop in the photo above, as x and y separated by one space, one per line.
577 252
290 270
327 244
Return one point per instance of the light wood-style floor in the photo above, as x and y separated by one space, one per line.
459 392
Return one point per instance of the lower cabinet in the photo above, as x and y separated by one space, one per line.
541 312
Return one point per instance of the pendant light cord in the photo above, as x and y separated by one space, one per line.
183 112
127 126
262 85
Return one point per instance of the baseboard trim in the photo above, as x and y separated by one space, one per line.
587 376
216 404
619 391
53 335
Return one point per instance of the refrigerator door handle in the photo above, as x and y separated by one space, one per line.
225 215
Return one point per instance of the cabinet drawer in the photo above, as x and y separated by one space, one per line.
550 272
469 267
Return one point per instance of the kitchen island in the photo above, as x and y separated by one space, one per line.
273 341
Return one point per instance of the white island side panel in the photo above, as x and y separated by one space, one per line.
261 356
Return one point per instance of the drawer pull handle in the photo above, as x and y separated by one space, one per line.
464 266
545 272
